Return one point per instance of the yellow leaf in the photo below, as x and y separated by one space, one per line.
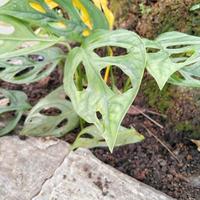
59 25
85 17
103 4
86 32
51 4
37 7
97 4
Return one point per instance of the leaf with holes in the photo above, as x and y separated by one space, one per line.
12 105
17 39
30 68
188 76
98 98
171 52
39 13
51 116
90 137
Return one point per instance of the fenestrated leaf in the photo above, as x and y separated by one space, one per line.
30 68
98 97
11 110
21 40
90 137
171 52
188 76
54 123
72 27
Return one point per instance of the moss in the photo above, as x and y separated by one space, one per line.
162 16
184 113
159 100
180 105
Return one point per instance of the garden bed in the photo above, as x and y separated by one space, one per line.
148 161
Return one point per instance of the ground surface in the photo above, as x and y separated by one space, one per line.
148 161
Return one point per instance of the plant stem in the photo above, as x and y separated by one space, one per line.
127 85
79 83
110 53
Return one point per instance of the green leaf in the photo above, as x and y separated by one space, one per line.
12 105
90 137
23 11
187 77
195 7
17 39
98 96
74 26
30 68
60 120
97 17
169 53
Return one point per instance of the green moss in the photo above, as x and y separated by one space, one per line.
184 126
159 100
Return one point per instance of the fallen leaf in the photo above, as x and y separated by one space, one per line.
197 142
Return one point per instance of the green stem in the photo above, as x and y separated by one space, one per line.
79 83
127 85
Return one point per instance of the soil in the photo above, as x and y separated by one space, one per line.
166 160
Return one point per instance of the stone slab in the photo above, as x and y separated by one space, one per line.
83 177
26 164
41 169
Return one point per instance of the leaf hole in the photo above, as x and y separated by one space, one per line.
52 111
4 101
28 44
99 115
117 78
102 51
6 29
15 61
181 57
152 50
196 77
36 58
62 123
110 51
87 135
178 46
80 78
67 98
2 69
24 72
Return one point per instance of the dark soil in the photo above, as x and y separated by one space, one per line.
151 163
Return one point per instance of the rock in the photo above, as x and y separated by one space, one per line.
41 169
26 164
84 177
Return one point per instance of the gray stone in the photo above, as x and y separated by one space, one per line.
41 169
83 177
26 164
